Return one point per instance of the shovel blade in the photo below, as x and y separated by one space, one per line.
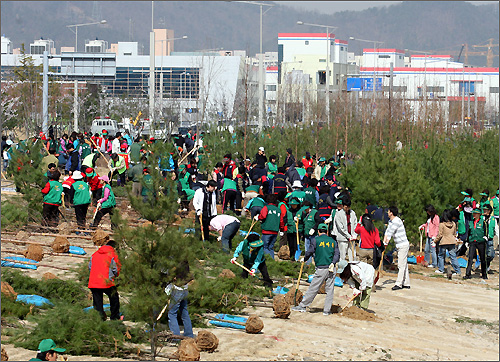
297 254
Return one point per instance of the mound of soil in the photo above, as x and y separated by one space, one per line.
49 275
290 296
254 325
284 253
188 350
226 273
207 341
23 235
60 245
34 252
359 314
100 238
64 228
5 356
8 291
281 307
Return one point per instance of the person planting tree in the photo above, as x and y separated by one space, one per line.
106 204
359 275
47 351
80 198
52 199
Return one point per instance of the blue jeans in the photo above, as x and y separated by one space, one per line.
452 250
228 234
307 245
490 252
428 251
269 240
173 324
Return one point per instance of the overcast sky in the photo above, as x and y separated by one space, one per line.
334 6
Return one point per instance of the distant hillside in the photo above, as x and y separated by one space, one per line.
424 25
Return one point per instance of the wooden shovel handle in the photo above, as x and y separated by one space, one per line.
243 267
350 300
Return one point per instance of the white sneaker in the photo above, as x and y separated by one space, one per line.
326 313
439 271
430 266
298 309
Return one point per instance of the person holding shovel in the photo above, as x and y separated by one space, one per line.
80 198
52 199
106 204
326 255
252 249
205 204
359 275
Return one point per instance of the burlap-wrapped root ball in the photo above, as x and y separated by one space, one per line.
226 273
207 341
100 238
281 307
284 253
8 291
254 325
48 275
64 228
60 245
291 299
188 350
34 252
23 235
5 357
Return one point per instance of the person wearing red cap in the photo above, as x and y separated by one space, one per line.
95 184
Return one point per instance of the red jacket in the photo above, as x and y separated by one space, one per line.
104 267
94 182
283 218
307 163
367 240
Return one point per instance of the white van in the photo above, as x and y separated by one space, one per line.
101 123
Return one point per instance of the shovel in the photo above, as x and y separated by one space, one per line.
298 281
251 226
201 227
350 300
380 267
95 212
298 252
243 267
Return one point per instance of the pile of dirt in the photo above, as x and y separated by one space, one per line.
207 341
146 224
100 238
34 252
284 253
5 357
49 275
8 291
226 273
359 314
254 324
65 228
281 307
322 288
60 245
188 350
23 235
291 299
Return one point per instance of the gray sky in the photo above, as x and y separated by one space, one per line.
331 7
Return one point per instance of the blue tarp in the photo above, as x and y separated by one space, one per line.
412 259
280 290
19 265
338 282
244 233
106 307
229 318
76 250
462 262
33 299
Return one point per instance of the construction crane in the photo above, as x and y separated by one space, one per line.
489 52
459 54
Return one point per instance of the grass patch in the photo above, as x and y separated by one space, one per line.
482 322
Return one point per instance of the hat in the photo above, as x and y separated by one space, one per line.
297 183
288 195
477 211
338 201
256 243
182 167
336 164
77 175
322 227
483 194
294 201
261 149
9 142
104 131
465 193
322 159
329 177
104 178
49 345
341 266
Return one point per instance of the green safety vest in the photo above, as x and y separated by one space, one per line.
254 188
309 222
310 195
272 221
110 202
86 150
478 233
54 194
495 206
325 249
122 166
249 257
82 193
258 202
147 187
300 195
87 160
271 168
185 181
228 185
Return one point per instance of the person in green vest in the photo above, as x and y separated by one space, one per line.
134 175
495 205
79 196
271 167
47 351
485 198
135 150
252 249
255 204
321 169
300 169
310 219
326 254
291 233
270 216
106 204
52 199
229 194
49 159
85 148
147 192
310 192
118 167
297 191
90 160
491 225
477 238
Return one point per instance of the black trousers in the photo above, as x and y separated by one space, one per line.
100 214
96 195
481 249
292 244
263 269
114 301
238 200
229 197
50 214
81 214
120 175
206 224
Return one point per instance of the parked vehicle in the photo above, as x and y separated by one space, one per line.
105 123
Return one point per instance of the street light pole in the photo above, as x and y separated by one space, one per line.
76 30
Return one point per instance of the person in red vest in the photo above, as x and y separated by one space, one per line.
95 184
124 154
307 160
104 267
229 167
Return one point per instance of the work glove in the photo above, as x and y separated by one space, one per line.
356 292
233 260
178 201
311 232
252 272
219 238
301 259
98 205
281 233
485 238
331 267
198 213
433 244
329 220
295 219
256 217
421 227
243 195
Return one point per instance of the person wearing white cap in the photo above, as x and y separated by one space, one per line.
297 191
80 197
260 158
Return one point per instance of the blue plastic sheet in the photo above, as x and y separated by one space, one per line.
106 308
280 290
33 299
76 250
338 282
227 321
244 233
19 265
412 259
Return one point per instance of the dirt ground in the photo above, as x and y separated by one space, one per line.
437 319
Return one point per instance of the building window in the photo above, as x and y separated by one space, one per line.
322 77
307 42
341 48
494 89
400 57
466 87
332 42
271 88
322 60
384 56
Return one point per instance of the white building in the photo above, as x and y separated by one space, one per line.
6 45
41 45
383 57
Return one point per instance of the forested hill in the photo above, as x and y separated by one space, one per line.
419 25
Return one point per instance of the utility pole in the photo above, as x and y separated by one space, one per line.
45 92
75 107
391 82
152 68
261 79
